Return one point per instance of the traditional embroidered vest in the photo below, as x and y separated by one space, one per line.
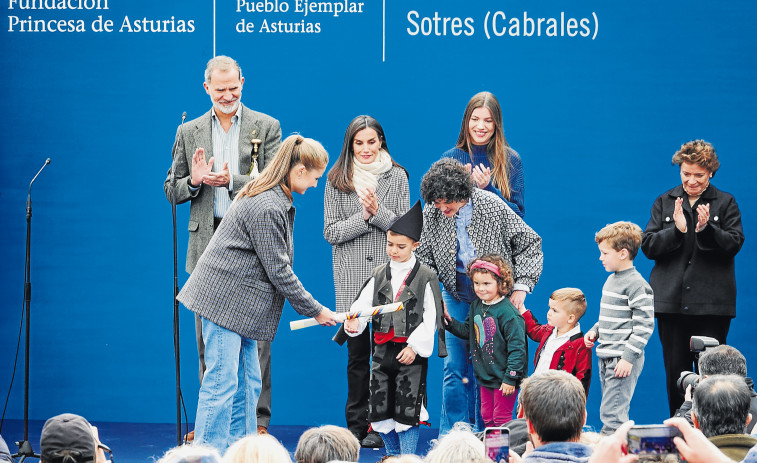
407 319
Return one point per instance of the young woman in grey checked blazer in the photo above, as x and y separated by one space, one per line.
461 222
238 289
365 192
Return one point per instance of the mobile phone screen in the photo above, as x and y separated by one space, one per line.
653 443
497 443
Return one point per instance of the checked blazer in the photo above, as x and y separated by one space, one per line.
245 273
197 134
359 246
494 228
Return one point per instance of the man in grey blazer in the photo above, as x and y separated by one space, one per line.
216 155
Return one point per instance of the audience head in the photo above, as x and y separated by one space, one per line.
721 405
257 448
191 453
459 445
621 236
554 403
327 443
722 360
404 459
67 438
5 454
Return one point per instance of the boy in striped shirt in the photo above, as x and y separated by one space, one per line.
626 321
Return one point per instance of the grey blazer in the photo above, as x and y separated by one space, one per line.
197 134
360 246
494 228
244 275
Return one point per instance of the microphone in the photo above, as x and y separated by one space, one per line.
40 171
29 196
174 150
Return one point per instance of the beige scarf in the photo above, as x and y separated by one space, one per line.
366 175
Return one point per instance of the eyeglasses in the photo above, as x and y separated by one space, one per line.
107 450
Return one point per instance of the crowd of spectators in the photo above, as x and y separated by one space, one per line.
713 425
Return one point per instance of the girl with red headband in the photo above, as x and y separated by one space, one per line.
497 336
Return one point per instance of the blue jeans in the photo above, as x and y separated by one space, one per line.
616 392
226 410
460 401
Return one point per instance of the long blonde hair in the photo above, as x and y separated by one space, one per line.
497 147
295 150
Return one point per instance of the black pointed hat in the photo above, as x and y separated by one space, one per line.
411 223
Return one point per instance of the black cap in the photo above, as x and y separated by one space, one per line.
67 432
411 223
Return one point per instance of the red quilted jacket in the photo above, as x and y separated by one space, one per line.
573 356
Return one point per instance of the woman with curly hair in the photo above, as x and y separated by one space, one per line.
459 223
693 236
483 149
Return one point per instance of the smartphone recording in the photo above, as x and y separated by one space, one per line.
654 443
497 443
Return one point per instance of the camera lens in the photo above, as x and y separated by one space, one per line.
688 378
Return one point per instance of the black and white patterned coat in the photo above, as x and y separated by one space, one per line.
494 228
245 273
359 246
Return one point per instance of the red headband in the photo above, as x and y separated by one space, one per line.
486 266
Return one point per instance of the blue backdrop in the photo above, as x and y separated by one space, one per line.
596 117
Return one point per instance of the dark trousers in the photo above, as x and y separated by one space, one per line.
358 381
675 334
397 390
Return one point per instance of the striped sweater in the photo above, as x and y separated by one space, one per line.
626 316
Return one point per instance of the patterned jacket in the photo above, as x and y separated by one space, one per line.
245 273
197 133
573 356
494 228
360 246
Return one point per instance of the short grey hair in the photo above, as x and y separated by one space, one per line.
554 402
191 453
460 445
261 448
722 360
327 443
222 63
721 405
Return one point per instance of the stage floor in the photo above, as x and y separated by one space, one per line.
147 442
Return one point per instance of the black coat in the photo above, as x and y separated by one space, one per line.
694 272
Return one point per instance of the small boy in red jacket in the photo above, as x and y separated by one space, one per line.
561 345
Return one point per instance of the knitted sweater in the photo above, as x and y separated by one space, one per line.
517 185
626 316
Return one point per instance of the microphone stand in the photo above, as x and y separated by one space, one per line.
176 345
25 447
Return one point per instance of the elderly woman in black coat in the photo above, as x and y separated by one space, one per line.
693 236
